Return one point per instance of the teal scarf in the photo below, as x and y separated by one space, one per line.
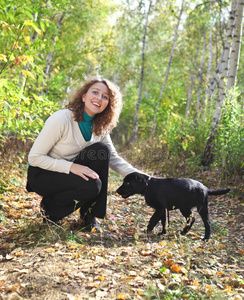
86 126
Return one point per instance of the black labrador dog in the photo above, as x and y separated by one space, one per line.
164 194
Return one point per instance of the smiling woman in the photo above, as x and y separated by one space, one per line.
96 99
69 161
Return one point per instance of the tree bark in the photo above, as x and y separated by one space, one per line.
236 45
192 78
136 116
207 155
210 55
50 56
167 71
219 69
200 77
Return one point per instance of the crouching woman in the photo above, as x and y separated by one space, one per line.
70 159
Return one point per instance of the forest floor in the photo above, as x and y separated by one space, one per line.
40 261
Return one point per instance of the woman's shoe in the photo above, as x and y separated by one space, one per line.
90 222
96 225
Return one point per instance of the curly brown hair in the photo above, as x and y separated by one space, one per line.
105 121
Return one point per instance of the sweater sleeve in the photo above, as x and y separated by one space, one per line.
48 137
117 163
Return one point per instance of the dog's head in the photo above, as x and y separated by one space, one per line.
134 183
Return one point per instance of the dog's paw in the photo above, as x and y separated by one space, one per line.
205 239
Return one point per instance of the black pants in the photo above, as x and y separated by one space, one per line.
64 193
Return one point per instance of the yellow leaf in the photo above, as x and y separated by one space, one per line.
209 289
3 57
27 39
162 243
76 255
28 73
195 283
49 250
73 247
121 297
30 23
227 289
175 269
169 262
101 278
93 230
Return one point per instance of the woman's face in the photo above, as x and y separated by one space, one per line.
96 99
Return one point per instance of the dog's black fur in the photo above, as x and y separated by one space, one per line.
164 194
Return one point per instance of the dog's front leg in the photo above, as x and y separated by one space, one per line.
187 213
158 214
163 221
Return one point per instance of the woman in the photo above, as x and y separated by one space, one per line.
69 160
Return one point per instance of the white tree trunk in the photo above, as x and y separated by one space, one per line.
192 78
50 56
219 69
188 104
135 126
236 45
207 155
210 55
167 71
200 76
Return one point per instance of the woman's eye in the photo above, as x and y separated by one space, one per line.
105 97
95 92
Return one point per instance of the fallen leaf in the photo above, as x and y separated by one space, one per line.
121 297
175 268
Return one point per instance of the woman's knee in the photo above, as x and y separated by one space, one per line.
92 189
99 151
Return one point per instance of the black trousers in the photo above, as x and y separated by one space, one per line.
64 193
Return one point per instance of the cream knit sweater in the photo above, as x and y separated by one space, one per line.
61 140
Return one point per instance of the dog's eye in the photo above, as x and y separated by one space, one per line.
127 183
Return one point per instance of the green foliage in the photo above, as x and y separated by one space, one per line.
229 148
41 60
37 61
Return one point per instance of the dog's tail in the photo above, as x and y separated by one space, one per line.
218 192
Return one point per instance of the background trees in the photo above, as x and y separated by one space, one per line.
48 47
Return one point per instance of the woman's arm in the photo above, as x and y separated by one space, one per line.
117 163
50 134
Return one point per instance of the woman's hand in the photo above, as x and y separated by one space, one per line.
83 171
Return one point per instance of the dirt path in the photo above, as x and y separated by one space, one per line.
38 261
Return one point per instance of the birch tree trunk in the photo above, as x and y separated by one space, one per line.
210 55
192 78
207 155
219 69
236 45
167 71
50 56
200 76
135 126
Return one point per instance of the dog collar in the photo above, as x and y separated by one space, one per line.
147 183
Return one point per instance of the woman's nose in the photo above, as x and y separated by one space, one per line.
99 96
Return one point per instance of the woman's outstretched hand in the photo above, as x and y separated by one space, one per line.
83 171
